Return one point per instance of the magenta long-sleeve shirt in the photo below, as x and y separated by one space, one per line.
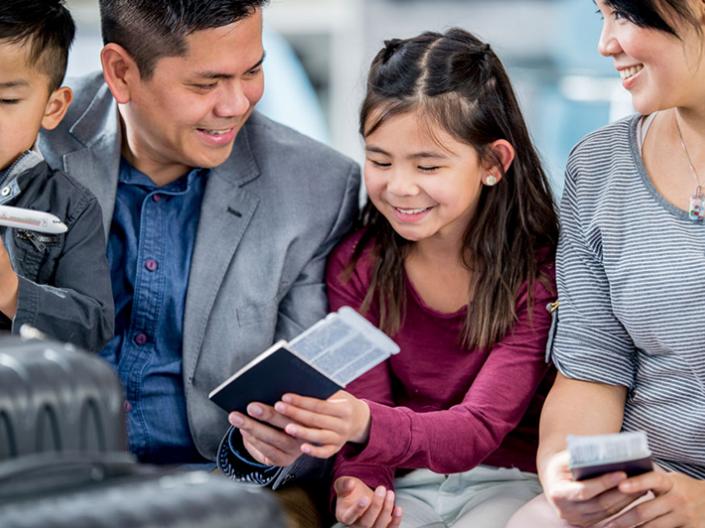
436 404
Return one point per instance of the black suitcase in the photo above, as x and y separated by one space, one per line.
75 490
56 398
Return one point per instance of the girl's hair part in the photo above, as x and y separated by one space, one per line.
456 82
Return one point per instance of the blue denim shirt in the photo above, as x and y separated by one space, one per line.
150 246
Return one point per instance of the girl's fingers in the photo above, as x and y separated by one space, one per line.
384 519
348 514
315 436
325 451
369 518
333 407
320 420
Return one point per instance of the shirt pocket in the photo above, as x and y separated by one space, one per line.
36 254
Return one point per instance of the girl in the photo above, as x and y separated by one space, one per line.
455 262
629 345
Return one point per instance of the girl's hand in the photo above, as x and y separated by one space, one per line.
324 426
679 502
358 506
9 284
585 502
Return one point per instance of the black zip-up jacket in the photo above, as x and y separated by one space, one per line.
64 280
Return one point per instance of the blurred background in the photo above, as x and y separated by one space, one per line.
318 52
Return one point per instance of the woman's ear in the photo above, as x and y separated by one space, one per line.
119 70
497 164
56 107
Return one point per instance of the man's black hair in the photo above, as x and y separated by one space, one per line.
46 27
152 29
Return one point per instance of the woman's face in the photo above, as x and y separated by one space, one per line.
658 69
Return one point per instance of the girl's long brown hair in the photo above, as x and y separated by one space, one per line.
455 81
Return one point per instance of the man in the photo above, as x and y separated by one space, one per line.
218 219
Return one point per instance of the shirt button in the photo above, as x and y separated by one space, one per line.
156 197
151 264
127 406
5 191
141 338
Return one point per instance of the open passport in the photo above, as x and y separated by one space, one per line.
317 363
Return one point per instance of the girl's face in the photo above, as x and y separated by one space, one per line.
425 182
658 69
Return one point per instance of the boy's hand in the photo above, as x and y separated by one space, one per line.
585 502
358 506
9 284
324 426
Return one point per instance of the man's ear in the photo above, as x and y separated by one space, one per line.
502 158
119 70
57 105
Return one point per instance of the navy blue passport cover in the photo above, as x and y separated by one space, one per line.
268 380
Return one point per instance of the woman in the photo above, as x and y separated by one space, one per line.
629 346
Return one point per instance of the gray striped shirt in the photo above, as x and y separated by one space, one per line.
631 281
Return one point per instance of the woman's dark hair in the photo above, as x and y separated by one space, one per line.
152 29
455 81
655 13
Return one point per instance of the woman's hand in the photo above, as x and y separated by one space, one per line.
586 502
360 507
679 502
324 426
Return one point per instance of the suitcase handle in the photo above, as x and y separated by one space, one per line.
31 475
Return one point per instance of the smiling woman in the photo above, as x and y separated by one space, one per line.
628 344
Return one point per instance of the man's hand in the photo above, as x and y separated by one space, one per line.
679 502
9 284
263 437
360 507
586 502
324 426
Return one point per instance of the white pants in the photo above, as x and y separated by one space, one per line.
484 497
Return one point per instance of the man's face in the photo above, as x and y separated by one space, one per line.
24 92
188 113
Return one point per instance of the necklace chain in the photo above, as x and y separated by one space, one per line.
687 155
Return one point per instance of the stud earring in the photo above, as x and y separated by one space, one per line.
490 180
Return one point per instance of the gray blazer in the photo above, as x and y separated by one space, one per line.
270 215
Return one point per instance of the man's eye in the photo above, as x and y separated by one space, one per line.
208 86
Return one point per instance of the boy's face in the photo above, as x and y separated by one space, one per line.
25 102
188 113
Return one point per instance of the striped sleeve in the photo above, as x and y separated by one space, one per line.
590 342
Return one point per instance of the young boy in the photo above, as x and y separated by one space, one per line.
59 284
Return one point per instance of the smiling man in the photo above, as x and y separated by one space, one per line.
219 220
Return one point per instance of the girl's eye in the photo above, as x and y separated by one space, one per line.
426 168
380 164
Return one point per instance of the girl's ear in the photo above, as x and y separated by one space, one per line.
499 162
57 105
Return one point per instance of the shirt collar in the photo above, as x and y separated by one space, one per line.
132 176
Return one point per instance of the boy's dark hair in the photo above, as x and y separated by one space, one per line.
654 13
47 27
152 29
456 82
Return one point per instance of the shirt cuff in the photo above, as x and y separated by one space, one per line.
235 463
389 438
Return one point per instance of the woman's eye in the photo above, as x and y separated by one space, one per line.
9 101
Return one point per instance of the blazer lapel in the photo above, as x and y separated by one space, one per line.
225 214
96 165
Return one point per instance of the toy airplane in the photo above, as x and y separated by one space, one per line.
31 220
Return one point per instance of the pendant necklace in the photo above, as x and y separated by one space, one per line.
696 210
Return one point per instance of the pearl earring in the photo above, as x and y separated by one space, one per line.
490 180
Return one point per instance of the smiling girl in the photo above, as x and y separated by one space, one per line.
631 283
454 261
